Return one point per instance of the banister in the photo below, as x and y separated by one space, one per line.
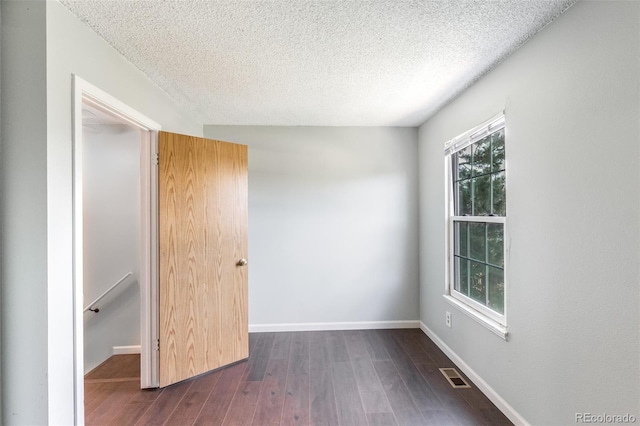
99 298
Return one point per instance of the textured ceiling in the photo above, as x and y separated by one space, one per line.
315 62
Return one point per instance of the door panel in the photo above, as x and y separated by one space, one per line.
202 196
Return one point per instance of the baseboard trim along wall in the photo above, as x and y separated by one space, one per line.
502 405
126 350
324 326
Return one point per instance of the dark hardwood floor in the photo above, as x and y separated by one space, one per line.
350 378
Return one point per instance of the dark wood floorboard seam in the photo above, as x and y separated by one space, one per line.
286 380
322 400
234 396
372 395
296 403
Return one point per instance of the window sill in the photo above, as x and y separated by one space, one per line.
497 329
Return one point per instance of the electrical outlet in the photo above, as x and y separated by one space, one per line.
448 319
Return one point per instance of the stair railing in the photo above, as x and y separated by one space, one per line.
90 306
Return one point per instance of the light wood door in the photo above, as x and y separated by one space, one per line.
202 196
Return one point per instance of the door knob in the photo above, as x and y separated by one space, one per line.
242 262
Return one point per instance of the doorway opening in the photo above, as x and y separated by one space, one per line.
115 234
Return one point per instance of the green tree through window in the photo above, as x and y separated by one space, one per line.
478 185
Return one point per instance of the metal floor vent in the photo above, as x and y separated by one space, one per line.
454 378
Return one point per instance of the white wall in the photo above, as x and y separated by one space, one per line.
572 97
332 223
24 214
1 215
42 45
111 169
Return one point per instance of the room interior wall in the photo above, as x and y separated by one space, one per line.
571 97
1 197
24 213
42 46
111 176
332 223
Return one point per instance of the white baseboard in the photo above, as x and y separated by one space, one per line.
484 387
318 326
126 350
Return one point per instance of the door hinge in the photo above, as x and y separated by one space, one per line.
157 159
158 345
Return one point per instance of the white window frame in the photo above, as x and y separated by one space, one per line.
487 317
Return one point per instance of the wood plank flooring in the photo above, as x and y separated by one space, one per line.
349 378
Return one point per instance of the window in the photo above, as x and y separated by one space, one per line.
477 211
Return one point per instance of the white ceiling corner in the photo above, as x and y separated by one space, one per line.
315 62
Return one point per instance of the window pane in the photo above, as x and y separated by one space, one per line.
495 243
464 163
497 151
478 173
499 194
463 206
482 196
456 271
477 241
477 285
496 289
460 238
462 276
482 156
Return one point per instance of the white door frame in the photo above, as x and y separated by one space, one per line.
86 93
